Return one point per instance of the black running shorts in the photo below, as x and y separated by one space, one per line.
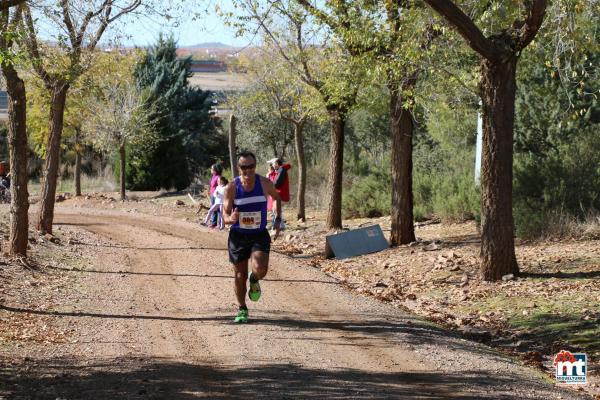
241 245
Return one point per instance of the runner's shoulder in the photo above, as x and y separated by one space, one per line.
230 187
265 182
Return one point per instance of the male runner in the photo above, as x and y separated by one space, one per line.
245 208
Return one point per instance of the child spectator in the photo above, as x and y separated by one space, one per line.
217 207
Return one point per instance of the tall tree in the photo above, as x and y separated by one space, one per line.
84 23
17 130
319 63
292 101
232 144
500 52
189 140
395 45
119 118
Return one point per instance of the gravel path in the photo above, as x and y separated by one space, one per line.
154 320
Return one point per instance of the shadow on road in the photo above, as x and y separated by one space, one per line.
406 331
230 277
139 378
561 275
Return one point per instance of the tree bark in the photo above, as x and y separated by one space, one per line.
17 143
299 142
401 122
77 162
337 119
497 87
232 146
122 172
57 110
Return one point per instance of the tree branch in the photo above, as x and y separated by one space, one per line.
532 24
33 47
6 4
68 21
319 14
465 27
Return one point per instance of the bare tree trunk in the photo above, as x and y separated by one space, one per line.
337 119
77 162
401 123
122 172
17 143
299 141
232 146
57 110
497 231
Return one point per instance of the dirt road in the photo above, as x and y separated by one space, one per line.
154 312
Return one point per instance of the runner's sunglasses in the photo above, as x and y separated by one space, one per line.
245 167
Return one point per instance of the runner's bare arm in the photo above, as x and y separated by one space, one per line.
230 216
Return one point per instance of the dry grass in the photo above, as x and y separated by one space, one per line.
564 226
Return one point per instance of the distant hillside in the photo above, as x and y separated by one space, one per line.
209 45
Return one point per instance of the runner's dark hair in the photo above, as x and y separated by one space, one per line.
247 154
223 180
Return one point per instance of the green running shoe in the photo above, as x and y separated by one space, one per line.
242 317
254 291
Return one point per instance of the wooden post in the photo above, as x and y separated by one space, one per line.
232 148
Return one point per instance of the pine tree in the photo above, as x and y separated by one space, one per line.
183 123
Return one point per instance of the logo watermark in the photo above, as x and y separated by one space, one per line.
571 368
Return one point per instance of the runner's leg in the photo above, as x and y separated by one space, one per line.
241 276
260 263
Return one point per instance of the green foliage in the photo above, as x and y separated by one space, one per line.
443 185
188 138
557 160
368 196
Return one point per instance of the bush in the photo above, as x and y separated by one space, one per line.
456 198
369 196
450 195
557 187
446 190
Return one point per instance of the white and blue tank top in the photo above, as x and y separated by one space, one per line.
252 207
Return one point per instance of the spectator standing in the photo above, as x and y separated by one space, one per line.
281 182
216 170
217 207
271 175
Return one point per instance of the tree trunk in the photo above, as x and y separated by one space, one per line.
122 172
232 147
77 163
401 123
337 119
497 87
299 141
17 143
57 110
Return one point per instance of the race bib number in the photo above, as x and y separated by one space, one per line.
250 220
